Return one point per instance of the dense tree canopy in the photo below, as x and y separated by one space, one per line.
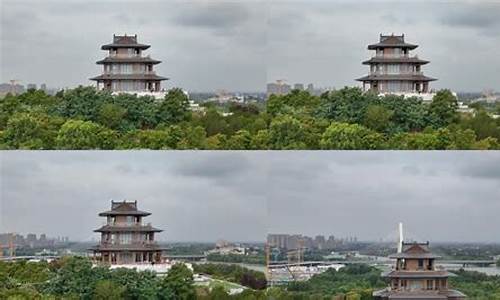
83 118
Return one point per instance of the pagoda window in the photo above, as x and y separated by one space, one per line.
125 238
416 285
404 284
130 220
420 264
393 69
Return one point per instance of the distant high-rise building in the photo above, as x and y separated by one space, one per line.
31 86
415 276
393 70
43 87
126 69
278 88
298 86
278 240
125 239
310 88
31 237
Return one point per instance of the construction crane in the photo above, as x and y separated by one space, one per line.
13 83
11 246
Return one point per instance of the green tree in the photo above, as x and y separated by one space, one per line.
178 283
286 133
443 109
85 135
342 136
241 140
107 290
28 131
145 139
261 140
111 115
483 125
82 103
377 117
216 142
174 108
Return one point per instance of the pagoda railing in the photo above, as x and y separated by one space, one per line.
399 73
392 55
134 224
132 243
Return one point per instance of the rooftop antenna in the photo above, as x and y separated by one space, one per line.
400 241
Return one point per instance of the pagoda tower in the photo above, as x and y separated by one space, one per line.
416 276
393 69
126 69
125 238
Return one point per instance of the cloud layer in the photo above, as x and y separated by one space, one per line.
241 196
236 45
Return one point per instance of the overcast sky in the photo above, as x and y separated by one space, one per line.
324 42
204 45
241 45
242 196
192 196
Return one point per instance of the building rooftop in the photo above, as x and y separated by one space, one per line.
443 294
418 274
124 208
411 77
415 251
392 41
138 76
129 228
381 59
125 41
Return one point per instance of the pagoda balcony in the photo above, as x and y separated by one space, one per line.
387 55
133 73
124 55
125 224
400 73
132 243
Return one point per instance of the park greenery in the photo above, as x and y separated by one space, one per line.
76 278
233 273
84 118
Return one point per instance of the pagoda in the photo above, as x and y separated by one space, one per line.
126 69
125 238
393 69
416 276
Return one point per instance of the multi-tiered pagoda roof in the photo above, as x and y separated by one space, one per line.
393 70
126 69
125 238
415 276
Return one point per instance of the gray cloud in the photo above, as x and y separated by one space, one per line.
327 43
244 195
194 39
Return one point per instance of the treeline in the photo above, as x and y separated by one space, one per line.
83 118
76 278
243 276
475 285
